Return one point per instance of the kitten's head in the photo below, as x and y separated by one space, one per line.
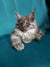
23 22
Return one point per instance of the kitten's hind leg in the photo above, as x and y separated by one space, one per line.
39 35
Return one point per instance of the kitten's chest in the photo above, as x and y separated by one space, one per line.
30 32
29 35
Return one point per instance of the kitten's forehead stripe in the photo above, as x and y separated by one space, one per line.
24 18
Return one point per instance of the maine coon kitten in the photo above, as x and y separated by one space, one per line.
26 30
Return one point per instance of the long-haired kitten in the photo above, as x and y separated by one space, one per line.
26 30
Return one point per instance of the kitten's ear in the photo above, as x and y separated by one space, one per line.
18 15
32 15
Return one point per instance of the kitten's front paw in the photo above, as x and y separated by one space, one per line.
19 47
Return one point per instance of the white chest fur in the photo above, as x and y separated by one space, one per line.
29 35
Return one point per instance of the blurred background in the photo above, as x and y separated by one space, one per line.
35 54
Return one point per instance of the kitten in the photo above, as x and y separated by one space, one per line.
26 30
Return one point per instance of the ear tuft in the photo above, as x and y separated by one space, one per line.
32 15
18 15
